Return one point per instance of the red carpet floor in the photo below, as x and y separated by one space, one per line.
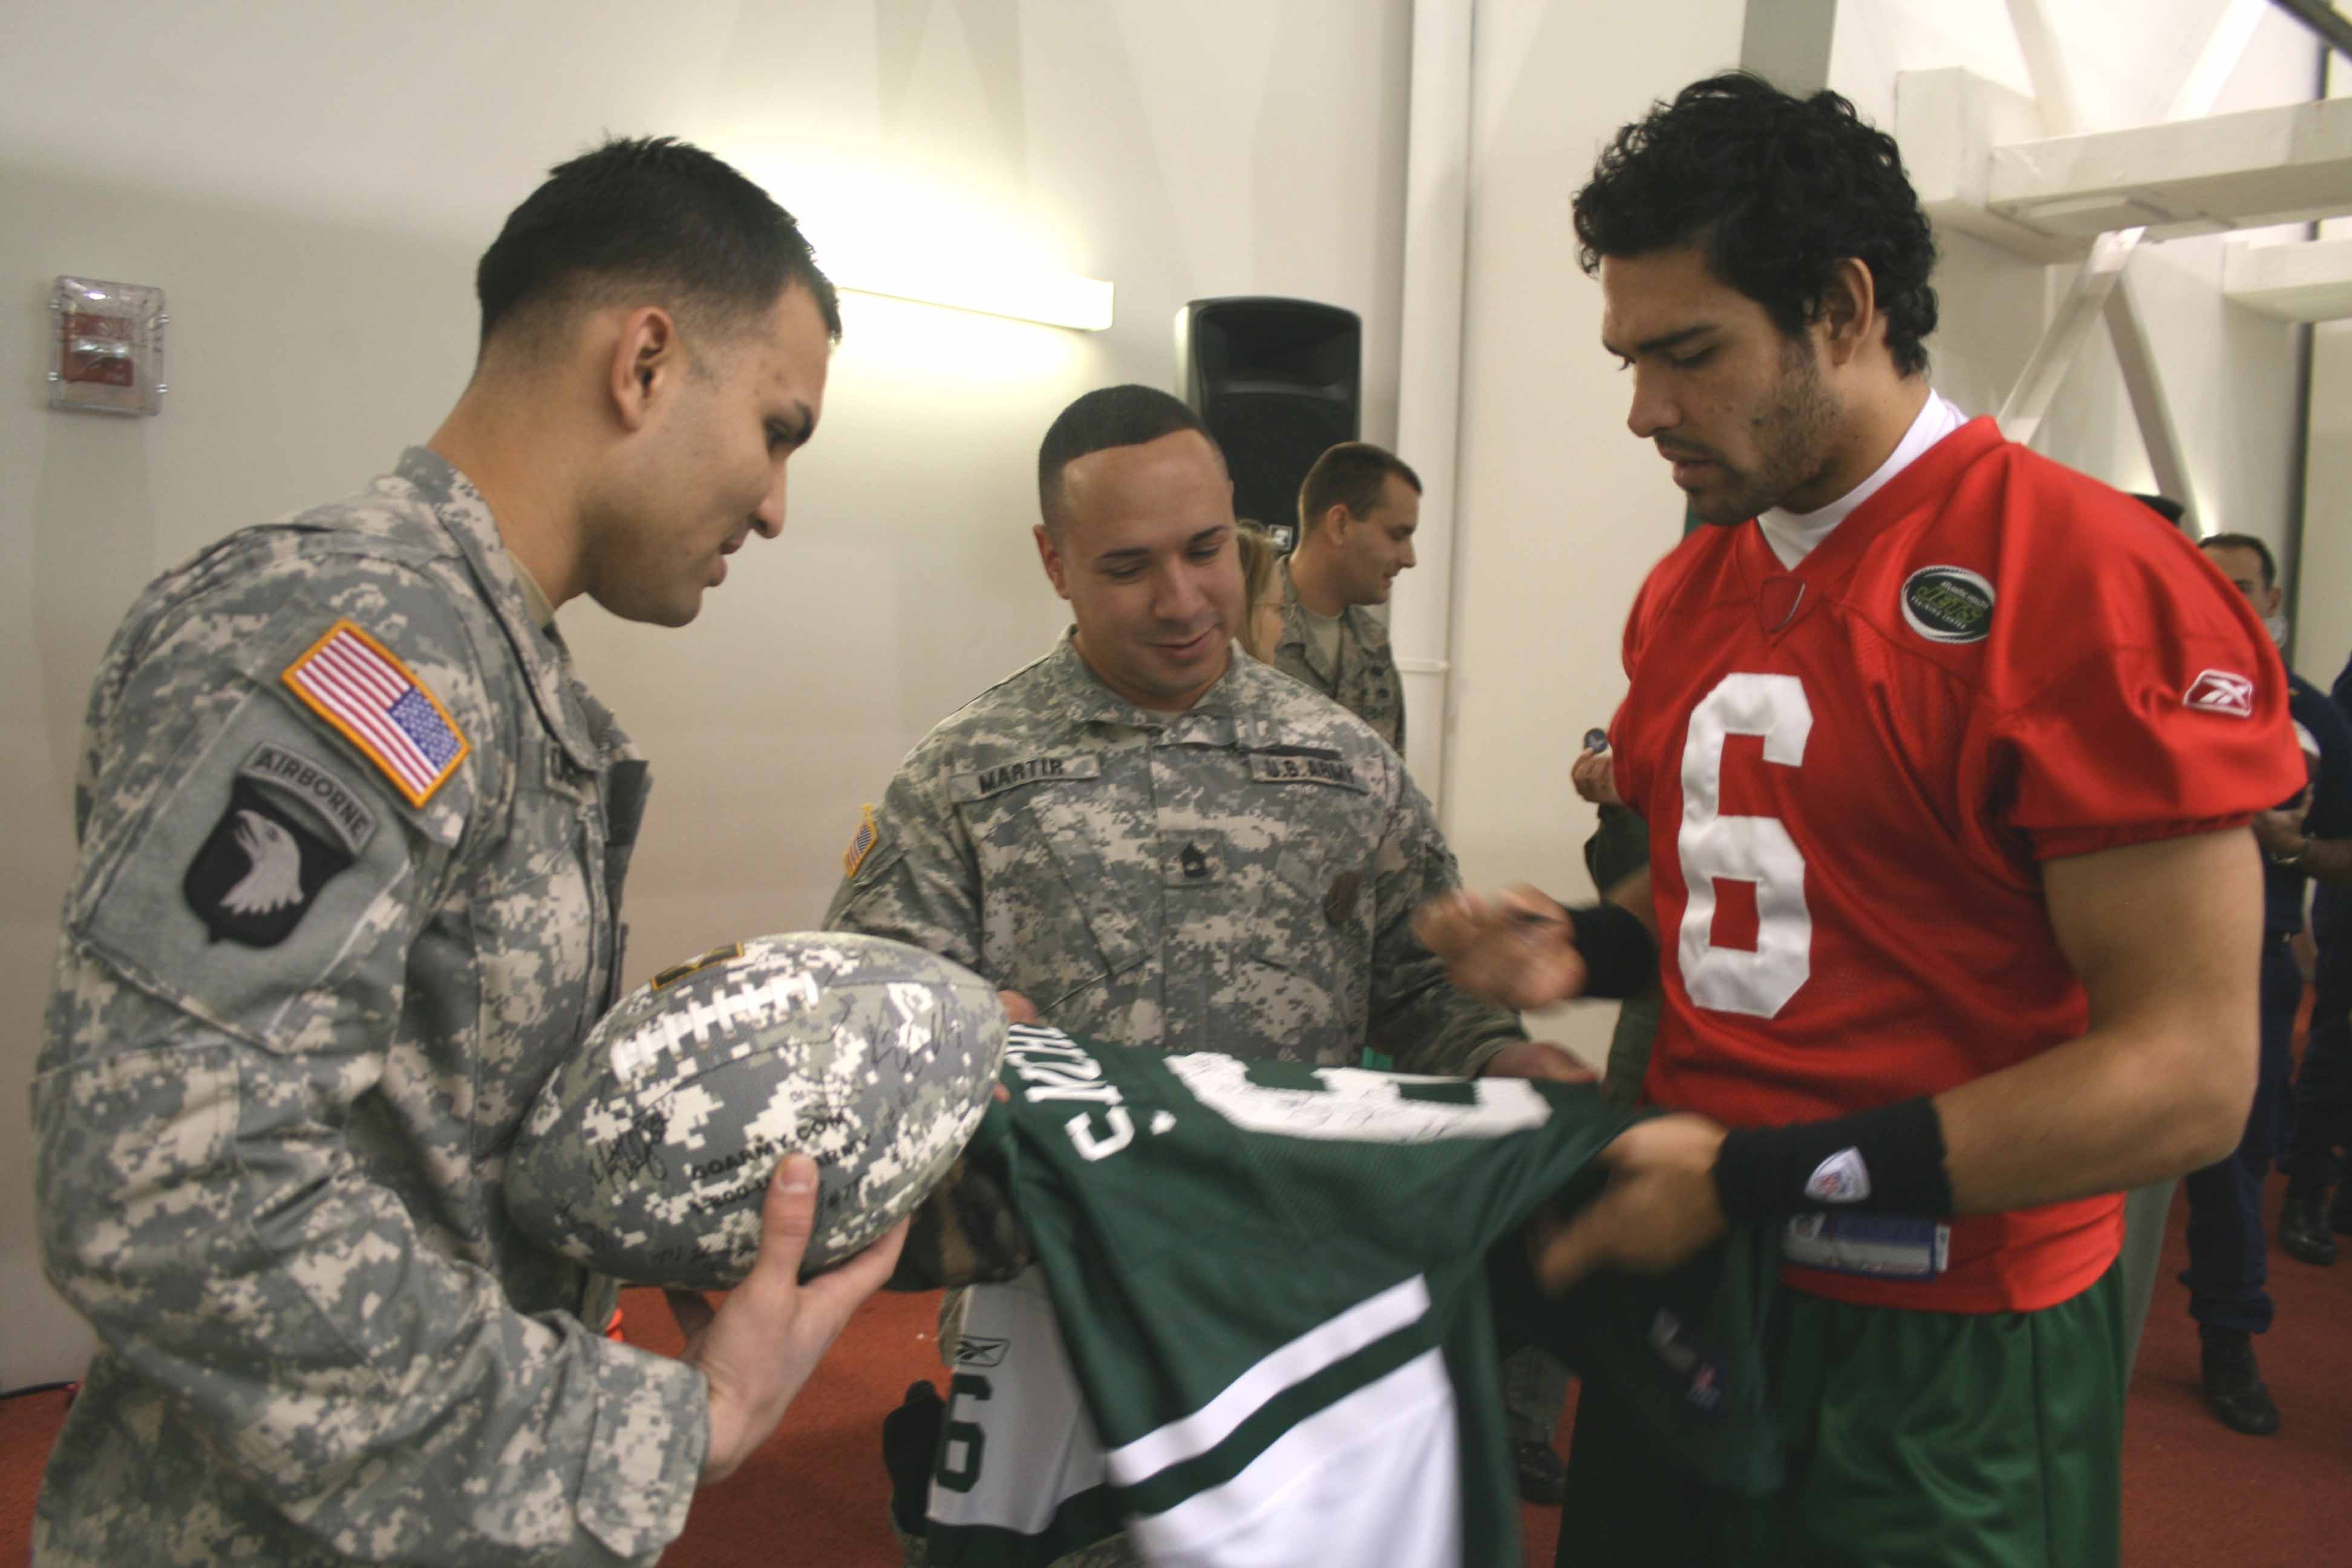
2196 1494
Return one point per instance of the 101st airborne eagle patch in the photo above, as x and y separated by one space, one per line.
378 704
861 845
264 863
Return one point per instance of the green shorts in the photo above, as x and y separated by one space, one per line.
1988 1440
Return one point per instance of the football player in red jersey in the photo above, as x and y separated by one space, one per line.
1947 758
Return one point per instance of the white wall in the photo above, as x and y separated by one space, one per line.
2321 604
311 185
1561 512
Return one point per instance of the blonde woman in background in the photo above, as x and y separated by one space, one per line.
1261 590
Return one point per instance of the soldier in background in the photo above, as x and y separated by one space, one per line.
1151 841
2323 1081
2308 836
353 841
1358 509
1148 840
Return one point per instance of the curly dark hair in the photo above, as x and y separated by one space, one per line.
1779 190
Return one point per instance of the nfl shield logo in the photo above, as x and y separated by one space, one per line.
1841 1178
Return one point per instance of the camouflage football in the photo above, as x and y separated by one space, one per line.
647 1155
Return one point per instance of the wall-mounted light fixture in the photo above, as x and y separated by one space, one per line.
930 276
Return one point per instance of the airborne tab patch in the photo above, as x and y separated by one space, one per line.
339 805
375 702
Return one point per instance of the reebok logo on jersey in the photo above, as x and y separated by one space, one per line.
2221 691
975 1350
1948 604
1841 1178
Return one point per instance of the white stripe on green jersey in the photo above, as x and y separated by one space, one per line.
1362 1324
1269 1281
1393 1443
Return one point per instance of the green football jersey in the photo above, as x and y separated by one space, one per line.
1261 1328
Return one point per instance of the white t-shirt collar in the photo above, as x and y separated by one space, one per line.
1793 535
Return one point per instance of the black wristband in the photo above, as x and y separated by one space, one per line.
1887 1160
1619 956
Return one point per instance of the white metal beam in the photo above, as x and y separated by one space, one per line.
1948 123
2307 280
2054 356
1429 355
2100 289
2054 92
2135 355
2287 164
2200 89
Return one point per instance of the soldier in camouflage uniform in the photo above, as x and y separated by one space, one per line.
1154 842
353 841
1358 509
1239 876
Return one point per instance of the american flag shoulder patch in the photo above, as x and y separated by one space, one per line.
376 702
861 845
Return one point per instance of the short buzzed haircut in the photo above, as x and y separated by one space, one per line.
1126 416
2245 542
653 216
1352 474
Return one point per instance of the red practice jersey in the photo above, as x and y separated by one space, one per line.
1853 770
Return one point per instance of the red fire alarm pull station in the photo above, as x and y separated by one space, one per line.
107 352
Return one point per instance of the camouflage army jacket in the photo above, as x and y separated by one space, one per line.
1238 877
1363 679
353 838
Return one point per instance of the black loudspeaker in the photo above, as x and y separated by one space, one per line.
1278 382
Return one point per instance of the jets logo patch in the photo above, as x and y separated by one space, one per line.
259 870
1841 1178
2221 691
1947 605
